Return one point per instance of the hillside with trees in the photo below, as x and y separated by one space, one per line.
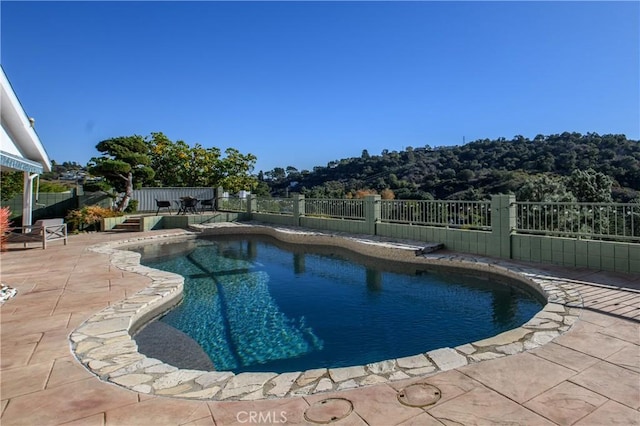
560 167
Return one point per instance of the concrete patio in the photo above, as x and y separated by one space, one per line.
587 376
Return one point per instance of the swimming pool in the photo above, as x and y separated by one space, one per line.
256 304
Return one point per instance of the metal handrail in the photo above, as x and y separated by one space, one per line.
335 208
619 221
454 214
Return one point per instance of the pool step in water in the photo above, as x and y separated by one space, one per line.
172 346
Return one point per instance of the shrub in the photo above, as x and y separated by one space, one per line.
387 194
49 186
97 186
5 213
12 184
361 193
132 207
89 217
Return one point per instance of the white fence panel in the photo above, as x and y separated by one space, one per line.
147 196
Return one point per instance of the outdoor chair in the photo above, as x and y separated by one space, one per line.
206 204
188 204
162 205
43 231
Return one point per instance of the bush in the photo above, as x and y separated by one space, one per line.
49 186
132 207
89 217
97 186
12 184
387 194
5 214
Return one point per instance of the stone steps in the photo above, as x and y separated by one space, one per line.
131 224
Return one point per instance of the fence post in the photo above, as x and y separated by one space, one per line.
503 222
298 208
252 204
218 197
372 212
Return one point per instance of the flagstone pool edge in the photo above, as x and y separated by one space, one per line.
103 343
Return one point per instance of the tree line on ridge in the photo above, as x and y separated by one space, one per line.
558 167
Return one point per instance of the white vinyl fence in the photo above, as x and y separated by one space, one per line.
147 196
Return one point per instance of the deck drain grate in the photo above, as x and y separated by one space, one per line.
328 410
419 395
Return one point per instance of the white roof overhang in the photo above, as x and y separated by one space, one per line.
20 146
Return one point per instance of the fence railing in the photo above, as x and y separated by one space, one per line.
598 221
460 214
614 221
336 208
233 204
283 206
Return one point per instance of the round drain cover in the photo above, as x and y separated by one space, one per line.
328 410
419 395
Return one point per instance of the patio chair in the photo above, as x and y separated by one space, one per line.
43 231
162 205
206 204
188 204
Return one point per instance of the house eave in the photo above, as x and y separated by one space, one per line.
10 162
16 124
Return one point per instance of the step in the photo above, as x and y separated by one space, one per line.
131 224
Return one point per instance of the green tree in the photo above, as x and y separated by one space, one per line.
124 160
292 172
203 167
167 160
178 164
11 183
590 186
277 174
236 171
544 189
465 175
262 190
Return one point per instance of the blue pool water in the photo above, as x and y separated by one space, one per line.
255 304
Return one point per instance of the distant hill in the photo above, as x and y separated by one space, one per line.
472 171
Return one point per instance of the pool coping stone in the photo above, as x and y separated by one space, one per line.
104 343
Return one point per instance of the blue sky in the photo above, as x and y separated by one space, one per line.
304 83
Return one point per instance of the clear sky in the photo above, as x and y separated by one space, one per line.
304 83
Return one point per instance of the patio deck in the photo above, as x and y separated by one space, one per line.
587 376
